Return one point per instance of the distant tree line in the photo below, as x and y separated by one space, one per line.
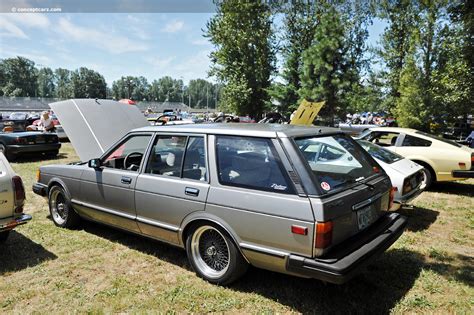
425 57
20 77
422 69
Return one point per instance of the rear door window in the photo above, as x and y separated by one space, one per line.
251 163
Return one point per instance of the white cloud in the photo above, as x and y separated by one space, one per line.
196 66
160 63
200 42
173 26
10 23
112 43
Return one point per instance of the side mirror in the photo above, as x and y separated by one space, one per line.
94 163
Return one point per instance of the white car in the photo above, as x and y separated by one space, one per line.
12 199
442 159
406 176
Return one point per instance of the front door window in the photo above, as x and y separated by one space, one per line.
128 155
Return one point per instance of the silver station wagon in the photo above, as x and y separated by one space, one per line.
305 201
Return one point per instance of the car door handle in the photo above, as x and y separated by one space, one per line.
126 180
191 191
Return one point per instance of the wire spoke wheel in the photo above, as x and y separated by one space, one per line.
210 251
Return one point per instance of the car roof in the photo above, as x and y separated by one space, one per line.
255 130
394 129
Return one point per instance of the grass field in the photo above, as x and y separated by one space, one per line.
45 269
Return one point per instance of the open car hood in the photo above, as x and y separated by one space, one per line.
93 126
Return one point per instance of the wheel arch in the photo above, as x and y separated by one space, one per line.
55 181
427 165
201 217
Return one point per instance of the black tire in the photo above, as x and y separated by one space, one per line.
427 180
4 236
62 213
213 254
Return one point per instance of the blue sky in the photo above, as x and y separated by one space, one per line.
115 44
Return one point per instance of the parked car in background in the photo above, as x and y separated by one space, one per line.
406 176
12 199
17 121
442 159
298 200
14 144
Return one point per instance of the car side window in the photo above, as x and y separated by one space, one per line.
128 155
383 139
167 153
411 141
166 156
251 163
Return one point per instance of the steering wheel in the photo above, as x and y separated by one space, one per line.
127 157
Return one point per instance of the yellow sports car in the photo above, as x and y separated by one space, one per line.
442 159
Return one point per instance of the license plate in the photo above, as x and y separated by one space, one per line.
40 140
366 216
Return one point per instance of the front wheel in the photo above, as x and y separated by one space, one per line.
60 208
214 256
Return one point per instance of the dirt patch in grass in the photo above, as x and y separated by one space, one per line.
98 269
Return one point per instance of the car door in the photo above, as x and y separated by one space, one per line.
253 193
174 183
386 139
107 193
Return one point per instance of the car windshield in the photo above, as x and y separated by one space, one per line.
439 139
380 153
17 116
336 161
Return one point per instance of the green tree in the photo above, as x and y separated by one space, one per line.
63 84
410 110
202 92
167 89
18 77
45 82
299 25
87 83
244 58
401 16
324 65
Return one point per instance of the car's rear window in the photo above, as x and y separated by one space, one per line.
380 153
336 161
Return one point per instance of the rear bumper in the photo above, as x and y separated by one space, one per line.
33 148
463 174
346 260
40 189
10 223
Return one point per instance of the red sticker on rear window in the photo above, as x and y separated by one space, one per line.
325 186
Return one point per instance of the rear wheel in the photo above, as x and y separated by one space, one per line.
4 236
214 256
60 208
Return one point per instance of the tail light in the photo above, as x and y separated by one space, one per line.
392 197
323 234
472 161
20 140
20 196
